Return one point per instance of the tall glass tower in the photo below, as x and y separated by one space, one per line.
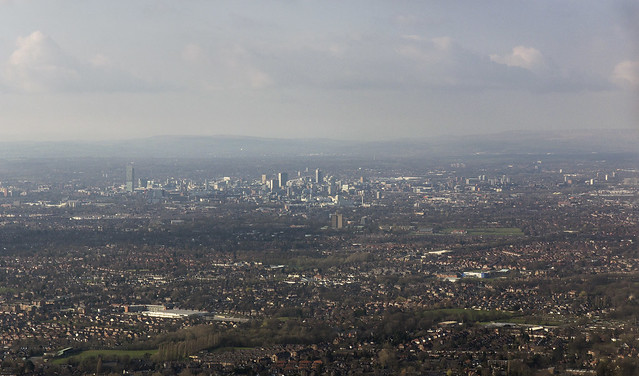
130 178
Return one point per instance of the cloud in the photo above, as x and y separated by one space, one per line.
408 62
193 53
626 74
371 61
359 61
224 67
426 51
100 60
441 62
239 62
523 57
39 64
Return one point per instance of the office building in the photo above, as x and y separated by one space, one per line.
337 221
283 178
130 178
273 184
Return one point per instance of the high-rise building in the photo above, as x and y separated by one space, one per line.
283 178
337 221
130 178
273 184
319 177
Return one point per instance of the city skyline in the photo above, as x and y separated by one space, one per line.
473 264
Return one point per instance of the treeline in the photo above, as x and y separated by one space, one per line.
398 326
393 326
303 260
182 349
276 331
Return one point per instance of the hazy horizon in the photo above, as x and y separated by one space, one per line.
541 133
361 70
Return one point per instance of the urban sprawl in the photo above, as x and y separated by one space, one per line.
487 265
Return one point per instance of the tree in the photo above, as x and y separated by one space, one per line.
98 366
387 358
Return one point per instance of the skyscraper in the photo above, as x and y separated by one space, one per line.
130 178
318 176
274 183
283 178
337 221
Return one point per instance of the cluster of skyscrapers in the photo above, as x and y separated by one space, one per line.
276 183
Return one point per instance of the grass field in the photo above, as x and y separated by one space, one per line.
537 320
489 231
105 353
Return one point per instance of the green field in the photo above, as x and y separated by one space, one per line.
488 231
537 320
106 353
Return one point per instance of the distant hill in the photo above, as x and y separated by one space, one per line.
613 141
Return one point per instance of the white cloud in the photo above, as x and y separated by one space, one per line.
39 64
441 62
523 57
626 74
404 61
372 61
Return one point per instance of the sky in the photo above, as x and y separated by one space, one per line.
357 69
